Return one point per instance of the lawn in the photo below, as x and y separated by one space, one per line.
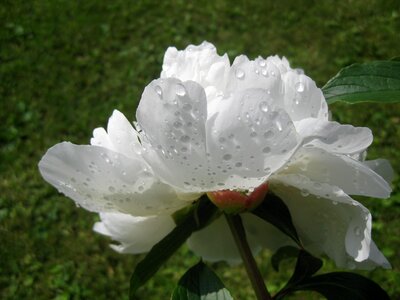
64 67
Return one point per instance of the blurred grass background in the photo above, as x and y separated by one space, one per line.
65 65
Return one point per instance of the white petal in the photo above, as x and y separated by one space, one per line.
100 138
135 234
172 115
302 98
382 167
257 74
334 137
351 175
248 139
122 135
197 63
99 179
215 242
375 259
326 219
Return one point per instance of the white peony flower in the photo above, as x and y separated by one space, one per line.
206 126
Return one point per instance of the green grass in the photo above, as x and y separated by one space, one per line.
65 65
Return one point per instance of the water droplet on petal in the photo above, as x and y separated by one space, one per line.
300 87
239 73
177 124
304 193
158 90
357 230
267 150
111 189
261 62
185 138
238 164
264 106
268 134
227 156
180 90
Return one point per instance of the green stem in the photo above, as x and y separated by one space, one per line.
239 235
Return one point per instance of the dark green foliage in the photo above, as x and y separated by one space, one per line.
377 81
200 283
65 65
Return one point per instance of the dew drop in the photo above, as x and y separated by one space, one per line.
239 73
304 193
267 150
267 170
185 138
238 164
177 124
264 72
227 156
357 230
158 90
299 87
111 189
268 134
180 90
261 63
264 107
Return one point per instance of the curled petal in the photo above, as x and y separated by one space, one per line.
327 220
334 137
197 63
101 180
351 175
135 234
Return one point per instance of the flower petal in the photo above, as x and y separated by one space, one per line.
99 179
351 175
248 139
302 98
172 115
334 137
326 219
381 167
135 234
215 242
197 63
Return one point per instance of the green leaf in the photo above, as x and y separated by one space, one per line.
341 285
282 254
274 211
377 81
200 216
200 283
306 266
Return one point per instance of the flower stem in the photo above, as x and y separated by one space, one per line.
239 235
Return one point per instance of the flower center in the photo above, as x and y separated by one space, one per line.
238 201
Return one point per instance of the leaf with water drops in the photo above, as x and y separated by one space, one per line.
377 81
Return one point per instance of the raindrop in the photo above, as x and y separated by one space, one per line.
158 90
253 134
239 73
267 170
268 134
300 87
278 125
238 164
335 203
304 193
357 230
140 188
227 156
180 90
177 124
267 150
261 63
264 106
185 138
264 72
111 189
